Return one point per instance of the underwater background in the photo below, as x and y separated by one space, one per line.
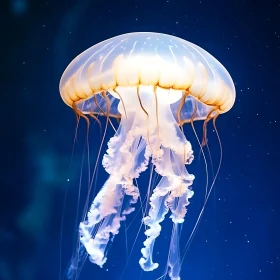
238 236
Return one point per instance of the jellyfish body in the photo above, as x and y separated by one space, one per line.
154 83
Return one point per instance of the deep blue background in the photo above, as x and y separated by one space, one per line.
238 237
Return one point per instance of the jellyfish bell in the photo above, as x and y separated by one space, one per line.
154 83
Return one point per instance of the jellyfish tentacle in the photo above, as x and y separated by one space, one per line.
126 158
170 155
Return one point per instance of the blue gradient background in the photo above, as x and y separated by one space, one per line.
238 237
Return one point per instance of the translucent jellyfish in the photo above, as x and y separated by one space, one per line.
154 83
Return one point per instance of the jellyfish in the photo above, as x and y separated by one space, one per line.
153 83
